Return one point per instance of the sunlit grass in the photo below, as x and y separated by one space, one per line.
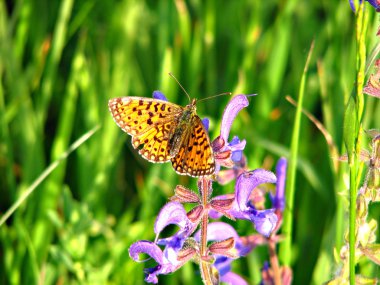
60 62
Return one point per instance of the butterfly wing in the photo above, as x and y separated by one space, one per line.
195 156
150 122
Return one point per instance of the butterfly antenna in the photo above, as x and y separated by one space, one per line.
188 96
210 97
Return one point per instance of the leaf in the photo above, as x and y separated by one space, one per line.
350 128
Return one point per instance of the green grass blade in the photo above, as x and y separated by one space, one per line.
285 248
57 45
45 174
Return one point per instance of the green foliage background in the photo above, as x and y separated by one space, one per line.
60 62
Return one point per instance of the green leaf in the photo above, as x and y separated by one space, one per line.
350 128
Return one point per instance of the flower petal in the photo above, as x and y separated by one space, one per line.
265 221
352 4
206 123
237 147
232 278
159 95
278 200
236 156
147 247
223 264
151 273
171 213
172 245
251 242
236 104
374 3
248 181
218 231
167 260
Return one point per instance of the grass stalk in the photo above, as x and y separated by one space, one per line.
45 174
285 248
360 28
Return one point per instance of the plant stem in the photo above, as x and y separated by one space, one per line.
285 247
352 222
361 27
274 262
205 266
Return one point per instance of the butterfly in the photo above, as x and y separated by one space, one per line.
166 131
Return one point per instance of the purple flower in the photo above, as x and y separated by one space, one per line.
228 153
374 3
278 201
265 221
206 123
171 213
227 175
218 231
235 105
233 279
164 266
238 153
159 95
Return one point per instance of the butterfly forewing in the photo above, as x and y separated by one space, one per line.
155 124
136 115
148 121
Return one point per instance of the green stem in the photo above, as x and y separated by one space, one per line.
352 222
340 209
361 28
285 247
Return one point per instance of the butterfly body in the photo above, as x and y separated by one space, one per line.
183 123
166 131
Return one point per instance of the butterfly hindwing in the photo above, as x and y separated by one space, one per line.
155 142
195 155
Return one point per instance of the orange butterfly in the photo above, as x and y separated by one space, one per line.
166 132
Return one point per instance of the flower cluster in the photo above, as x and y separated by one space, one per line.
215 245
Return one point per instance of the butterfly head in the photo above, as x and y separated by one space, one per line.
190 110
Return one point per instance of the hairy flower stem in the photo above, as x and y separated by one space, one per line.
274 262
206 272
205 267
